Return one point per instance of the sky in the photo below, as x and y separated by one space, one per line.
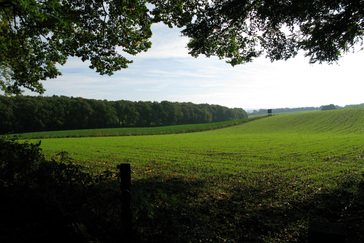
168 72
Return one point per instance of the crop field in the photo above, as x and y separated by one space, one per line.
131 131
260 181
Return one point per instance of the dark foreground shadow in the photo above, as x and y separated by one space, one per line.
179 211
172 210
49 201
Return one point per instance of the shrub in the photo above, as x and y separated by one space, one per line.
54 201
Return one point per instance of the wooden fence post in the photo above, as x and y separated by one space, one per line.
126 216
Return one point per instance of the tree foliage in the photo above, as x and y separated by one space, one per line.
328 107
36 35
31 114
242 30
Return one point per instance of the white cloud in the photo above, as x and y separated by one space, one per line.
166 43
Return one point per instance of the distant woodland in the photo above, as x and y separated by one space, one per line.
301 109
282 110
29 113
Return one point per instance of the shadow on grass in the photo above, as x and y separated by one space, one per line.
171 210
49 201
174 210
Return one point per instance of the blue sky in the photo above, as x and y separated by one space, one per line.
167 72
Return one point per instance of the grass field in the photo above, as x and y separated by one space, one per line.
260 181
131 131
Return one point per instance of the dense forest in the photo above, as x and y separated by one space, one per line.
29 113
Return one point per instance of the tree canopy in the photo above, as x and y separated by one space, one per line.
242 30
32 114
36 35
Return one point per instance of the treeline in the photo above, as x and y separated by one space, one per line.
302 109
283 110
30 114
353 106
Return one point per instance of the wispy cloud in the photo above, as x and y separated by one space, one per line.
177 74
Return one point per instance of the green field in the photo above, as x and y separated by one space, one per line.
260 181
131 131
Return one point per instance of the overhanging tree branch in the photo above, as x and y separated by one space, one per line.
235 30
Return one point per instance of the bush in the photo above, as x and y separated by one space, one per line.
54 201
18 161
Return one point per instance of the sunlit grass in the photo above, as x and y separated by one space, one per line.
269 165
131 131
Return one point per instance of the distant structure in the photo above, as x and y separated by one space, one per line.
270 112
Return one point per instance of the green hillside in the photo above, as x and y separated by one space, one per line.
341 121
261 181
